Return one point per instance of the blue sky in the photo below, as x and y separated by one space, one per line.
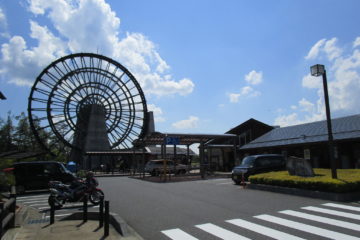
206 65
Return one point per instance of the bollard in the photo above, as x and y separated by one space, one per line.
1 218
52 213
85 208
101 213
13 206
243 183
107 219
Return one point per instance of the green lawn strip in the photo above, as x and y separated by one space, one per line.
348 180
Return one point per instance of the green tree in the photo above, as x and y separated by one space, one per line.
6 134
23 137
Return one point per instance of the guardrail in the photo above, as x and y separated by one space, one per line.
7 214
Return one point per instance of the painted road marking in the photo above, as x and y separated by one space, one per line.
220 232
306 228
343 224
342 206
333 212
263 230
178 234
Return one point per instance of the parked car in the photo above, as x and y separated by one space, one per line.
155 167
36 175
254 164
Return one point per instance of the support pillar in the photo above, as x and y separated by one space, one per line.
202 155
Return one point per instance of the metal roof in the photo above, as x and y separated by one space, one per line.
157 138
344 128
169 150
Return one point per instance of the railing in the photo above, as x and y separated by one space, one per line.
7 214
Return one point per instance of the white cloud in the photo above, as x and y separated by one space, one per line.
312 82
287 120
331 49
158 113
88 26
356 42
191 122
306 105
325 46
314 51
3 25
246 91
343 77
254 77
234 97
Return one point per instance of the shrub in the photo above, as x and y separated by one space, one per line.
348 180
6 181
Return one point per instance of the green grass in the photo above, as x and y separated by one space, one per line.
348 180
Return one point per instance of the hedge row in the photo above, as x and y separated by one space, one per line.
348 180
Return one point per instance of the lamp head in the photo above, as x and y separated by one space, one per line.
317 70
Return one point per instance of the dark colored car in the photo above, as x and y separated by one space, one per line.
36 175
255 164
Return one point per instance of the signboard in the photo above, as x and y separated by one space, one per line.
172 141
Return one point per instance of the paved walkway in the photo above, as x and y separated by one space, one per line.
32 226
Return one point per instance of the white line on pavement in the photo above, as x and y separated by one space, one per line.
263 230
342 206
178 234
330 221
307 228
333 212
220 232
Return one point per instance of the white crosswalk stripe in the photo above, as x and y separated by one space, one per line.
31 197
306 228
40 202
178 234
263 230
220 232
351 226
223 233
335 205
333 212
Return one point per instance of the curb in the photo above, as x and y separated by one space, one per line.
337 197
115 220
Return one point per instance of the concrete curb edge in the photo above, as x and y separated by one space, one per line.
115 220
338 197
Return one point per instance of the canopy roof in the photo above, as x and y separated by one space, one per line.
157 138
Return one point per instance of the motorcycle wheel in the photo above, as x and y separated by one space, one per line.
96 196
54 202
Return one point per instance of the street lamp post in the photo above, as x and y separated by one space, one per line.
2 97
319 70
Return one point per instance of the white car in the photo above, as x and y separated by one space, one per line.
155 167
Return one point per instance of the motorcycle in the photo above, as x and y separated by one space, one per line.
61 193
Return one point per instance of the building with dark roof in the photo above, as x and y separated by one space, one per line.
311 139
220 152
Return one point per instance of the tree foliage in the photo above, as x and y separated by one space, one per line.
19 137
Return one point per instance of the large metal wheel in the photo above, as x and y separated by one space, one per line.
73 82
